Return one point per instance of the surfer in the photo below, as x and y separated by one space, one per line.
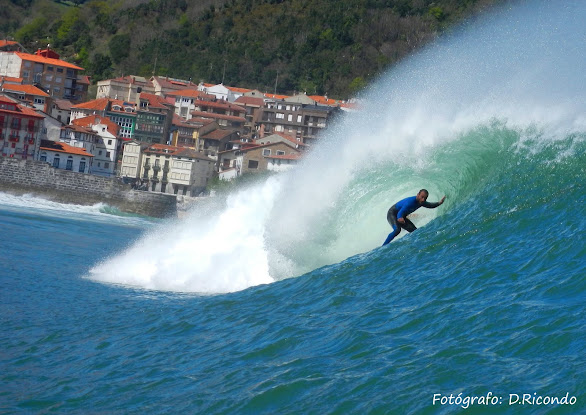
397 214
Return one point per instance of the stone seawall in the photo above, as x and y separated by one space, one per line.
41 179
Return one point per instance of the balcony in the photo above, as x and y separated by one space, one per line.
14 139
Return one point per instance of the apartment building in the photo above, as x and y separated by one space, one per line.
154 117
20 127
45 70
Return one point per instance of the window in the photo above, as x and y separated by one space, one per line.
106 165
60 70
50 68
56 162
266 152
252 164
108 154
58 79
48 78
299 118
280 115
290 117
82 166
109 142
100 153
280 153
69 165
43 156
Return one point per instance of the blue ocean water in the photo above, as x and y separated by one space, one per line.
279 298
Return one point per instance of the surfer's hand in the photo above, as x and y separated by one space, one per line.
401 220
442 201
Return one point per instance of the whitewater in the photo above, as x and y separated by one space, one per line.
521 83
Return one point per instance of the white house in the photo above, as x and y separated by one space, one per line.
105 150
63 156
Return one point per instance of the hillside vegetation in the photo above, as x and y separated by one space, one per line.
329 47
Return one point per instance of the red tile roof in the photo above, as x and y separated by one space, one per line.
275 96
190 92
10 79
18 108
259 102
91 120
48 61
60 147
27 89
324 100
219 104
218 134
240 90
213 115
4 42
155 101
100 104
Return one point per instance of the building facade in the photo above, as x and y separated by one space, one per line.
20 129
45 70
63 156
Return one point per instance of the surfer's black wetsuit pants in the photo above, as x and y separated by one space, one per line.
392 218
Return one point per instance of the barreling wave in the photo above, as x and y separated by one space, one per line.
495 105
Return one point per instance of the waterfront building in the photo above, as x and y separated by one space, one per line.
20 127
107 143
166 169
61 155
249 158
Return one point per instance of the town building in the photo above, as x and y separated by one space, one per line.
10 46
185 133
61 110
154 117
80 137
122 113
213 142
64 156
226 114
127 88
250 158
296 117
38 98
45 70
166 169
107 143
184 101
165 85
252 106
20 127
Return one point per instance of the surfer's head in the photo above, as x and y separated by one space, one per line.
422 196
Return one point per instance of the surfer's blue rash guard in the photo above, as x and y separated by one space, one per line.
402 209
409 205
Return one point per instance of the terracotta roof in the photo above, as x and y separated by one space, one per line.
97 119
259 102
4 42
218 134
27 89
236 89
275 96
190 92
18 108
155 101
60 147
48 61
219 104
212 115
171 83
79 129
63 104
10 79
100 104
83 79
324 100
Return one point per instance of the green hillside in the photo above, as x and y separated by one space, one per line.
317 46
